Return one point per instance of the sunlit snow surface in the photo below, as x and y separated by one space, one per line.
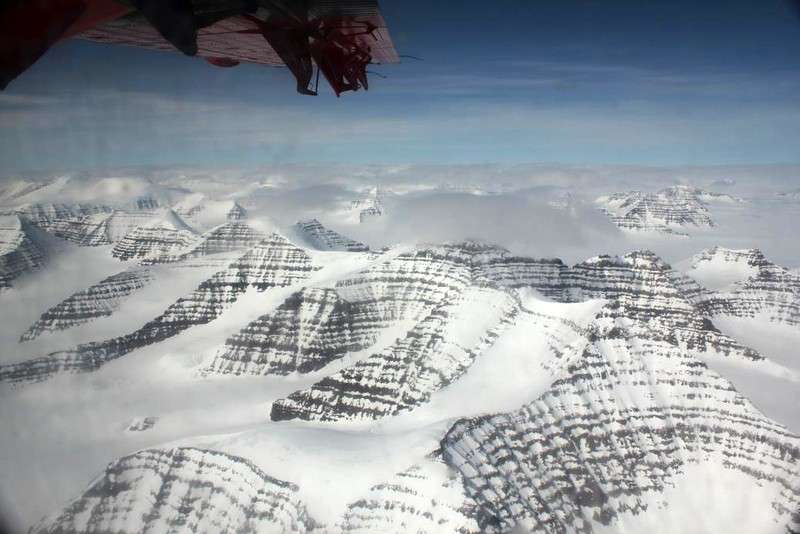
60 434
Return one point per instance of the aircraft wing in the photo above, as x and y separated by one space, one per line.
338 38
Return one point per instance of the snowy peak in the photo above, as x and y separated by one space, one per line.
751 257
718 268
231 236
205 213
685 192
20 249
87 224
368 207
99 300
161 237
236 213
83 224
670 211
273 262
317 326
434 354
629 417
743 283
151 489
425 498
322 238
647 295
309 330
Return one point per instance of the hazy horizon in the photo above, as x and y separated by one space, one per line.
574 81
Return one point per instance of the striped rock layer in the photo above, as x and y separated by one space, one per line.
105 297
86 224
629 412
152 242
324 238
99 300
625 419
461 285
670 210
20 251
274 262
183 490
770 290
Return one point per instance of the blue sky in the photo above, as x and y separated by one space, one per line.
641 82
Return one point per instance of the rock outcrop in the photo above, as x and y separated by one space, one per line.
319 325
652 297
669 211
21 251
310 329
161 238
85 224
461 284
233 235
326 239
757 288
274 262
428 358
632 413
100 300
370 206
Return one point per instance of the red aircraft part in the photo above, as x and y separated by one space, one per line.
28 28
222 61
97 12
342 45
341 54
340 37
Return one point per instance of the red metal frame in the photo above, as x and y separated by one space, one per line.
340 46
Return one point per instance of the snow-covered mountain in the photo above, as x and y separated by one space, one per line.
673 210
233 235
272 262
243 373
12 191
789 195
244 498
99 300
159 237
467 316
369 206
204 213
744 283
604 448
21 250
322 238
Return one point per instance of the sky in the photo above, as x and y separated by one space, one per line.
578 82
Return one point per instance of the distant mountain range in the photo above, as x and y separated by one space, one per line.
670 211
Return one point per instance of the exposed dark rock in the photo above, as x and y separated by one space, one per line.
326 239
99 300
